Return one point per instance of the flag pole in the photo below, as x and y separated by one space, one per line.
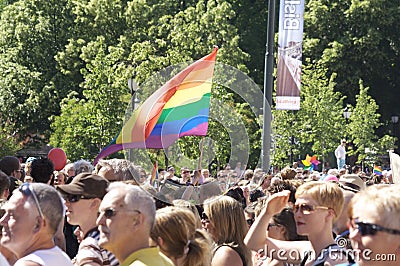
201 153
268 86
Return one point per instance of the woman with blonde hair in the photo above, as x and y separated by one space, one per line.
317 205
190 206
223 218
176 233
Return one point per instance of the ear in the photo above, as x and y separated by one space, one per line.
38 224
95 204
160 241
138 220
331 214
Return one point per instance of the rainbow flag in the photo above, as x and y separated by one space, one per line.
179 108
154 174
377 170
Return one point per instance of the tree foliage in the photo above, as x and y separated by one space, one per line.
353 38
319 124
364 120
32 32
65 66
107 61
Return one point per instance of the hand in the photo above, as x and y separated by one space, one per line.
277 202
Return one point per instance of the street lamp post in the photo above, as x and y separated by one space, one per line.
395 120
347 114
133 87
268 88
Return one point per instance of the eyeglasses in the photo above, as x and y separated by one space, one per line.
250 221
307 209
270 225
74 198
366 229
27 190
110 212
185 172
204 216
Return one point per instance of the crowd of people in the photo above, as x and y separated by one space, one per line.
116 213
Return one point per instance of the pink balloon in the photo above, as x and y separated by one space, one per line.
58 157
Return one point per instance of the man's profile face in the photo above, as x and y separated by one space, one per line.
114 231
19 223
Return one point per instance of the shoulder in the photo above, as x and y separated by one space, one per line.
337 257
26 263
226 255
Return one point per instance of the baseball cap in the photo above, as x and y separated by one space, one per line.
86 184
351 182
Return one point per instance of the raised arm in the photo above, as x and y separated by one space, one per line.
257 238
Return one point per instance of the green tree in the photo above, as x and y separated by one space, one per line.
8 141
364 120
32 32
352 38
106 65
317 127
87 125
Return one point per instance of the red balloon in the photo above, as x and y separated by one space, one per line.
58 157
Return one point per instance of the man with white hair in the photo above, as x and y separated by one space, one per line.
126 217
32 216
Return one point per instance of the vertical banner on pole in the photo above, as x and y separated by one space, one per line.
291 19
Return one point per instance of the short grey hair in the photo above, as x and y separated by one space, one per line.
83 166
51 204
137 198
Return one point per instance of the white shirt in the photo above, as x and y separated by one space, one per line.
340 152
3 260
48 257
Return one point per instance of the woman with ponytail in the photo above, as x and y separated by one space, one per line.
176 234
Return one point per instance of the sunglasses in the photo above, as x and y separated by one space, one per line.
250 221
27 191
366 229
270 225
74 198
307 209
185 172
204 216
110 212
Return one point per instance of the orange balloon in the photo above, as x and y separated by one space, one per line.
58 157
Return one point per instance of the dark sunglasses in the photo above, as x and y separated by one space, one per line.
74 198
270 225
185 172
110 212
366 229
307 209
27 191
204 216
250 221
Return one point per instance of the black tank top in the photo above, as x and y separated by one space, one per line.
322 257
235 248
